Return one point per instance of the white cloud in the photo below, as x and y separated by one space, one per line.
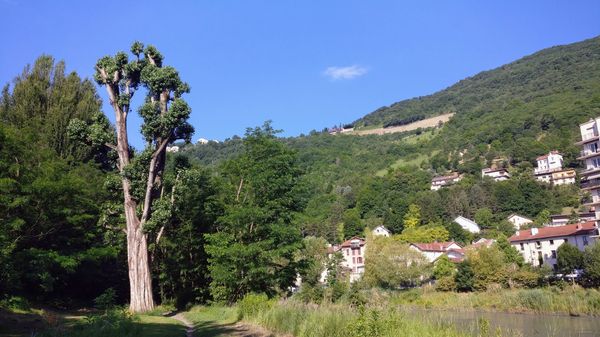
345 73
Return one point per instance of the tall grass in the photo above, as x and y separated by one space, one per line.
571 300
335 320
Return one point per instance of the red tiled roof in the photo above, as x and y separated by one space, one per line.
435 246
347 243
546 155
550 232
453 175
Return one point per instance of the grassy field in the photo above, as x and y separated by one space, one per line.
410 160
425 123
573 301
70 324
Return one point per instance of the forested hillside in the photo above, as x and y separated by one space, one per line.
513 113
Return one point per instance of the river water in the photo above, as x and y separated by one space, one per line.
526 325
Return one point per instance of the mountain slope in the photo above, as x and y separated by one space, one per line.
572 69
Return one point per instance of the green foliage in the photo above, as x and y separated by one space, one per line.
443 268
569 258
464 278
392 264
255 240
252 304
106 300
591 265
412 218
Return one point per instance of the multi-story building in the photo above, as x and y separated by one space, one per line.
590 154
549 170
439 182
353 253
499 174
538 245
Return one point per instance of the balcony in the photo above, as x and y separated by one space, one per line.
587 137
585 154
590 184
590 171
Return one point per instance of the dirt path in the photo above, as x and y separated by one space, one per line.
214 329
189 331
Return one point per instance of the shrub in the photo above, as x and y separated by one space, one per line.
252 304
445 283
464 277
106 300
15 303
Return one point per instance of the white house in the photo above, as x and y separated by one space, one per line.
518 220
202 141
468 225
441 181
549 170
173 148
433 251
353 251
538 245
500 174
381 231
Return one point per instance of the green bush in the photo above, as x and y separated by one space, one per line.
109 324
252 304
15 303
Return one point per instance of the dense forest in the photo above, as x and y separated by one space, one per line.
233 218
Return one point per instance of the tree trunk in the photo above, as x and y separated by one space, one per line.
140 280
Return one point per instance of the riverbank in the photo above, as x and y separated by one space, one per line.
293 318
574 301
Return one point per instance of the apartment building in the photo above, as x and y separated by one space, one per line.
590 155
538 245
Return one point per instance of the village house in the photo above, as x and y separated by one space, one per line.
518 220
432 251
563 219
442 181
381 231
590 176
549 170
353 253
499 174
467 224
538 245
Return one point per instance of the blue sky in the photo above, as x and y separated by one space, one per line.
303 64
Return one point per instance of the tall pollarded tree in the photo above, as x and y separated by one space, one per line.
164 115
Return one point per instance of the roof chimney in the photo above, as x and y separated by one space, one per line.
579 226
534 231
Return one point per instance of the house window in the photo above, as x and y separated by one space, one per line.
538 244
585 241
359 259
554 254
347 252
354 260
555 267
551 242
566 240
522 246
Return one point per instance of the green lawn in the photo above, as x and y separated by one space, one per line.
410 160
